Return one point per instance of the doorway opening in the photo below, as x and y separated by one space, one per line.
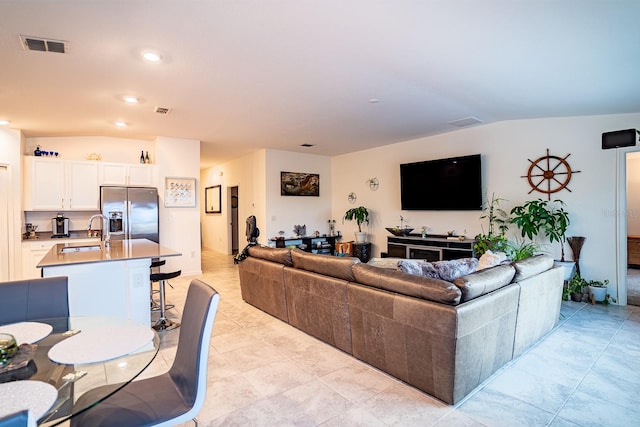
632 235
233 203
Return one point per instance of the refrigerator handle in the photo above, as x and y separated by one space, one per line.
128 235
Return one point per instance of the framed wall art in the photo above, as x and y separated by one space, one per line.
213 199
299 184
180 192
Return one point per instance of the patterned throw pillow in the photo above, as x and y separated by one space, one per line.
418 267
451 270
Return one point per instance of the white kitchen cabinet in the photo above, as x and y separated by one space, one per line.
61 185
34 250
127 174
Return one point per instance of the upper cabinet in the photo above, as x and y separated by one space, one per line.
55 184
127 174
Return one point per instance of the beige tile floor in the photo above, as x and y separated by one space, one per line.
263 372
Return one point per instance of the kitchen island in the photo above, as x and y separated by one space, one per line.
106 281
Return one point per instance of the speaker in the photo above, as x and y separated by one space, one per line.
619 138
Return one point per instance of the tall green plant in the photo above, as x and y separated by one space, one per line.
540 216
359 214
498 222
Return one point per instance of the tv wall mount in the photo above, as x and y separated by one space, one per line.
549 174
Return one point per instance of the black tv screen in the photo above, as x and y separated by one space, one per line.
453 184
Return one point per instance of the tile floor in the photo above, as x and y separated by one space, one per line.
264 372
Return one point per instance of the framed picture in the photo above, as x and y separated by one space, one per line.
213 199
299 184
180 192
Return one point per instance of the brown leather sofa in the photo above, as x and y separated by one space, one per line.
444 338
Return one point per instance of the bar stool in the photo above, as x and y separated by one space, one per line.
156 263
164 324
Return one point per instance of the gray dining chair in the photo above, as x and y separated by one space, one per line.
173 397
32 299
19 419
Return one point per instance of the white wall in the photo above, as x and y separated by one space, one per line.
258 179
180 227
10 150
505 148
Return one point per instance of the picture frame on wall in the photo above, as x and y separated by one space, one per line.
299 184
213 199
179 192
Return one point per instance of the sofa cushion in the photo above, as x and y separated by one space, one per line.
418 267
484 281
279 255
531 266
333 266
406 284
452 269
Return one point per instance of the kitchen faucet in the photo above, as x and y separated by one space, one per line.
106 235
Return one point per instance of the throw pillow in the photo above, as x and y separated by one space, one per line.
489 259
451 270
418 267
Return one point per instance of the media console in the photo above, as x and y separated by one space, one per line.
431 248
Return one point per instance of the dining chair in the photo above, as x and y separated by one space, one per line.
173 397
19 419
32 299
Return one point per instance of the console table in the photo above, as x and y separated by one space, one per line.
310 243
431 248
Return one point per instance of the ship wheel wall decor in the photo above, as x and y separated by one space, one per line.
549 174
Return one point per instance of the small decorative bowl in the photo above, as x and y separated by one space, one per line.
399 231
8 348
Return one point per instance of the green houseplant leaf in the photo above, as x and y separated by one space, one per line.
359 214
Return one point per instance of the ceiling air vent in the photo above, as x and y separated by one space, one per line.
162 110
44 45
465 122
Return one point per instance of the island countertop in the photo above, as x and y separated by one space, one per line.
119 250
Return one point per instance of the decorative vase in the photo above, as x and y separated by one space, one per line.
575 243
576 296
597 293
569 268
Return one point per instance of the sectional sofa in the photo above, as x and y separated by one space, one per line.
444 338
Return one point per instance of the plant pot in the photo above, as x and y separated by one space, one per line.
569 268
361 236
576 296
597 293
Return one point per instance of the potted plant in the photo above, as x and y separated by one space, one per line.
598 290
537 217
359 215
575 286
495 239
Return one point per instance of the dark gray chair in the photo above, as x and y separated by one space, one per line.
175 396
33 299
19 419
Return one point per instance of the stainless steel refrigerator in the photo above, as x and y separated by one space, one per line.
132 212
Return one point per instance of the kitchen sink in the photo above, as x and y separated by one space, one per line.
88 248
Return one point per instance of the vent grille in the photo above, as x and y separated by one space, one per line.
162 110
466 122
44 45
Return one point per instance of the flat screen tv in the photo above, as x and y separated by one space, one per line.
453 184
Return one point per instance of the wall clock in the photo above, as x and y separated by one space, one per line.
549 174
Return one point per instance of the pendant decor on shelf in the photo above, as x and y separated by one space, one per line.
549 174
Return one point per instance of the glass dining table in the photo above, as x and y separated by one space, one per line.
70 356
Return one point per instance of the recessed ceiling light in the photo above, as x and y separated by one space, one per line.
130 99
374 100
4 122
151 56
121 124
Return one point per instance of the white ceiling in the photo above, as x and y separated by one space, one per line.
241 75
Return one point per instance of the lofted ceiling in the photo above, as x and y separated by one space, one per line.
341 75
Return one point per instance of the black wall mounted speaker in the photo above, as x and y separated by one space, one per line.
619 138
